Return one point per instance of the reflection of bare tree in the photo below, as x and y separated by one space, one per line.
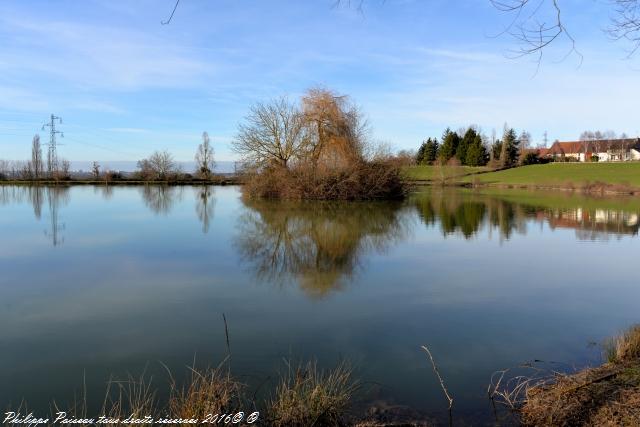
161 198
316 244
106 191
36 196
56 197
205 204
11 194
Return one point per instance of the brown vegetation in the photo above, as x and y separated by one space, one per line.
319 150
608 395
307 396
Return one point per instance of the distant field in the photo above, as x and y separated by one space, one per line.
428 173
564 174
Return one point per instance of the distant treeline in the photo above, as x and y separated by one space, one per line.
469 147
160 166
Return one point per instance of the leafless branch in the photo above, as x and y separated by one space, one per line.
532 35
435 369
625 23
168 21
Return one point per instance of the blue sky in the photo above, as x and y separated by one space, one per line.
126 85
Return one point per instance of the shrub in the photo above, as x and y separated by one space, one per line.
360 181
531 159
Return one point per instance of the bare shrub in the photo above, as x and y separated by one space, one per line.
361 181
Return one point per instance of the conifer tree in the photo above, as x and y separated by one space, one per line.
450 142
431 151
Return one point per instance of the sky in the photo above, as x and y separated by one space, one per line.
126 85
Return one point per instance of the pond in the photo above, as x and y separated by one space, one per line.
100 281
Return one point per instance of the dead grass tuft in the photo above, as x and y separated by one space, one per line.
307 396
625 346
208 391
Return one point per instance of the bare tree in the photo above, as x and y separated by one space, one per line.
272 134
65 169
336 129
204 157
525 143
158 166
95 170
5 169
37 163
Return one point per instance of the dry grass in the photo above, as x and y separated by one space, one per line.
625 346
608 395
307 396
304 396
207 391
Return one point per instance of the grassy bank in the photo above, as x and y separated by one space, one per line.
435 173
608 395
587 177
563 175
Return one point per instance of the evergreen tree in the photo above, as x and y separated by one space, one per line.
450 142
465 144
477 153
496 149
421 151
509 149
431 151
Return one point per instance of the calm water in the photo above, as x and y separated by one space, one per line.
100 281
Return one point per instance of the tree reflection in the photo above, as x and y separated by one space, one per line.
317 245
467 213
106 191
56 197
205 204
161 198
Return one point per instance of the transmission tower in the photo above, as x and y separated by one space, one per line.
52 155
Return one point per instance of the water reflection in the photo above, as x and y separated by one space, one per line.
317 245
56 197
467 213
106 191
161 198
205 204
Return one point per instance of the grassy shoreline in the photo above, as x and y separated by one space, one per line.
607 395
591 178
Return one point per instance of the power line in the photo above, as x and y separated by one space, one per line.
52 157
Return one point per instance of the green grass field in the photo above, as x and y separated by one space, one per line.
560 174
429 173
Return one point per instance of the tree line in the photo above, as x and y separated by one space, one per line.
159 166
470 147
38 167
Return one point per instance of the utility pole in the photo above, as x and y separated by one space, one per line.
52 155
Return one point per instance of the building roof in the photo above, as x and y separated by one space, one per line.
597 146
